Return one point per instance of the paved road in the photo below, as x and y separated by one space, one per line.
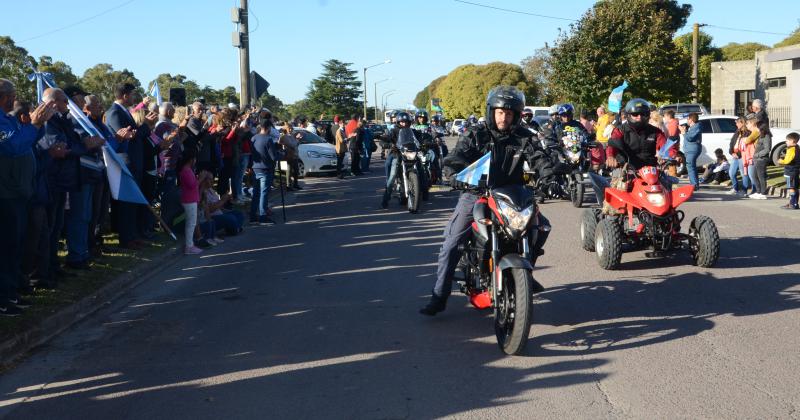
317 318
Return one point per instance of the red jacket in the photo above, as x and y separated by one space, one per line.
661 139
351 128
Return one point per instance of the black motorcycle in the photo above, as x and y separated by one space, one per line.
411 183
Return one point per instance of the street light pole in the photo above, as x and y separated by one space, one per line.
375 92
387 61
390 93
383 103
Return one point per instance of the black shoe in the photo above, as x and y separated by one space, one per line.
20 302
8 309
79 265
435 306
60 272
265 221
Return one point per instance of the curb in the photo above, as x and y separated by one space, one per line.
17 346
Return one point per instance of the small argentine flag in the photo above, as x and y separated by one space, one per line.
472 174
155 91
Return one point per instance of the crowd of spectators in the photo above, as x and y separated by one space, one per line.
192 164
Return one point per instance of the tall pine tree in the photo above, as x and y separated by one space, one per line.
334 92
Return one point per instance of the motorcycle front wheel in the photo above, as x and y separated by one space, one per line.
413 192
513 311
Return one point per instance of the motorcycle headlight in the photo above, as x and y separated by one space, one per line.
516 220
409 155
313 154
656 199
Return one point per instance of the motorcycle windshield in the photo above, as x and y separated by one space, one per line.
407 140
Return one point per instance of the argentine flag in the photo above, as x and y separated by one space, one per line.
123 186
155 91
615 99
472 174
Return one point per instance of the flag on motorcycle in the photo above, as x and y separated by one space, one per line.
472 174
615 99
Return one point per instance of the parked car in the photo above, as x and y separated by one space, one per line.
682 110
718 129
378 130
455 128
316 155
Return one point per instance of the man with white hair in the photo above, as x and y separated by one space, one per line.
761 114
17 172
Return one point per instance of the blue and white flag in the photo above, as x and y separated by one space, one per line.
615 99
123 186
155 91
472 174
663 153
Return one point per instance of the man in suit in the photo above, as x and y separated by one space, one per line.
117 118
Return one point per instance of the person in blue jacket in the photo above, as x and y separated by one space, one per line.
692 147
17 174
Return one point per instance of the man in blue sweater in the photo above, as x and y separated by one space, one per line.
17 173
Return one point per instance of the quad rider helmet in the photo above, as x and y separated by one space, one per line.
566 109
422 114
638 106
505 97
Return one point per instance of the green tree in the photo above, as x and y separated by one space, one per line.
463 91
61 71
336 91
620 40
792 39
16 65
423 98
746 51
538 72
707 53
102 79
274 104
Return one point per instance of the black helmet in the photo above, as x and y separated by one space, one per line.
423 114
436 118
506 97
641 107
566 109
403 116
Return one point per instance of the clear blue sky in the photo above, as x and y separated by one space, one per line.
290 39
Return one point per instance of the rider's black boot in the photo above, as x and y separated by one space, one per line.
436 305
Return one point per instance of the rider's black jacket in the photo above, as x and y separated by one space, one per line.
396 132
509 153
638 146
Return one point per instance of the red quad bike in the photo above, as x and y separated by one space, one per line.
643 216
498 262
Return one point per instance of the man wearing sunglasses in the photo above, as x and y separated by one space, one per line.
637 142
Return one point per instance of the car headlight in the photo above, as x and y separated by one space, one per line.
313 154
656 199
516 220
410 155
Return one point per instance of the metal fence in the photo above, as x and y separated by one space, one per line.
779 116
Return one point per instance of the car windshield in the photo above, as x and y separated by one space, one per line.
307 137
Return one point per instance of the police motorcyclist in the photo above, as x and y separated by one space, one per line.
637 141
504 136
402 120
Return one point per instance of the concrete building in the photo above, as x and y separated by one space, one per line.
773 76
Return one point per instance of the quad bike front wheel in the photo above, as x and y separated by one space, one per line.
704 241
608 244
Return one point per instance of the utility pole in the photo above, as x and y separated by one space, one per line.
695 40
241 39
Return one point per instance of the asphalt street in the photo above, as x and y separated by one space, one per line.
317 318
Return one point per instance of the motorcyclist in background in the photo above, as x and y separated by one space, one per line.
385 137
403 120
439 146
510 144
528 121
547 131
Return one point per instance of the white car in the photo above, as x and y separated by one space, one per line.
717 132
316 155
456 126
